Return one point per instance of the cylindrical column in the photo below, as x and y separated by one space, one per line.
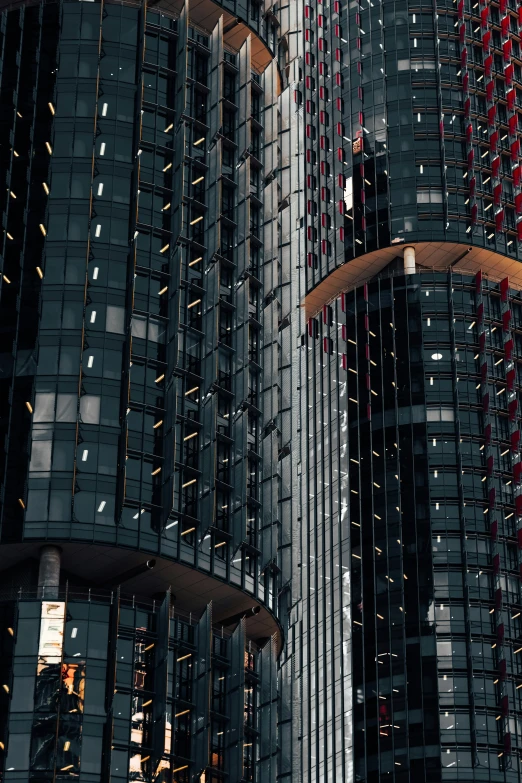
49 571
409 260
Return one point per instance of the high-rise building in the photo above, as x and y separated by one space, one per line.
260 334
405 633
142 519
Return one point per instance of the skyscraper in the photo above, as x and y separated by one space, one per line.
139 580
405 632
260 313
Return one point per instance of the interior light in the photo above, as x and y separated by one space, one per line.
95 272
93 316
43 229
45 187
49 148
102 506
104 109
436 356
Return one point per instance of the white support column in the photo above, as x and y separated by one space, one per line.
409 260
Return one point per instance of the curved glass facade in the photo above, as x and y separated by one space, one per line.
412 128
135 295
140 237
106 688
411 591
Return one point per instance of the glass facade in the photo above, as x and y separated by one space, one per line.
105 688
409 663
140 244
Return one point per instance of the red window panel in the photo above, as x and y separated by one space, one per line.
484 17
495 166
492 113
339 104
515 150
488 64
321 117
324 220
340 154
321 93
502 6
516 175
460 9
307 12
338 79
504 26
322 45
510 380
343 308
510 97
486 40
469 133
340 180
499 222
518 203
337 7
320 20
327 315
341 234
341 207
339 52
308 34
337 30
508 350
472 186
490 86
506 320
467 108
345 362
506 50
465 82
464 57
462 33
313 327
497 193
512 124
520 16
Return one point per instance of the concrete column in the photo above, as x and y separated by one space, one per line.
49 571
409 260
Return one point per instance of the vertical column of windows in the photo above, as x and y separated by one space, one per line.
27 130
493 517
